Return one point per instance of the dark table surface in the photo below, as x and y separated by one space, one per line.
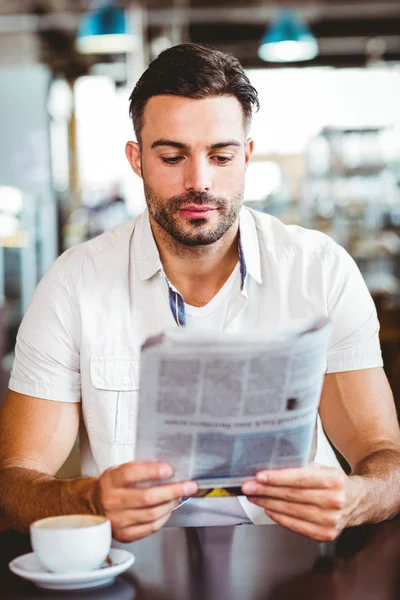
238 563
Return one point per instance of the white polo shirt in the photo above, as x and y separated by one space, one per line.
80 338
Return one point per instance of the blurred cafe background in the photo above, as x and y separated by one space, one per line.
327 137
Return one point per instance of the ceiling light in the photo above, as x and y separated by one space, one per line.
105 30
288 40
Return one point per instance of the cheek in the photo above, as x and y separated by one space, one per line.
163 180
230 180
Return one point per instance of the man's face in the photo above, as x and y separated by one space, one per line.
193 159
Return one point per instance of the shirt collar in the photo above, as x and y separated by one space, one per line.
148 258
249 244
146 251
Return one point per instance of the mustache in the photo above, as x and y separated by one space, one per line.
199 199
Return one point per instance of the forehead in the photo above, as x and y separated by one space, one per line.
192 121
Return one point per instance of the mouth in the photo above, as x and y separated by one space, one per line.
194 211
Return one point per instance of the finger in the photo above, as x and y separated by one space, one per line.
324 498
124 498
136 532
131 473
310 530
304 512
303 477
130 518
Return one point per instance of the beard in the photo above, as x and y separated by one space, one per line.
197 232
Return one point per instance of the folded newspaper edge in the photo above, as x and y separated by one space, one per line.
298 327
219 407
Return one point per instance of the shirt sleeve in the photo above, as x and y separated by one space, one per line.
355 333
47 352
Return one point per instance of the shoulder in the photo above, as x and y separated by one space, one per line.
279 238
96 257
104 248
110 242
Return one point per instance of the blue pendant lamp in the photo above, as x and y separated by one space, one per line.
288 40
105 30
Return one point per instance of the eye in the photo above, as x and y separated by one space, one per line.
172 160
222 160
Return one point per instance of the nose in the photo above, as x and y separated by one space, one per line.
198 177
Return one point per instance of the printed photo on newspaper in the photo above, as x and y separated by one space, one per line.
219 407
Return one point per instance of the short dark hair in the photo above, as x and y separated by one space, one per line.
192 71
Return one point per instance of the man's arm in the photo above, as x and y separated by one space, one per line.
36 436
359 417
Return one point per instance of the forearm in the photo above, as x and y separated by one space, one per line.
27 495
376 487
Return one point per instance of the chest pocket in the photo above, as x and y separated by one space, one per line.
112 408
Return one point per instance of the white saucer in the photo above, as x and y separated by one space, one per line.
28 567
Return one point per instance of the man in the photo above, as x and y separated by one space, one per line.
194 259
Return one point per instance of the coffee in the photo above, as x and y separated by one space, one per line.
71 543
69 522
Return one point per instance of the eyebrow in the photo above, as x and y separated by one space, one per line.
181 146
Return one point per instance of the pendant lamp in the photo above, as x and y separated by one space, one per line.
105 30
288 40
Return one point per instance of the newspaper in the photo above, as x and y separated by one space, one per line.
219 407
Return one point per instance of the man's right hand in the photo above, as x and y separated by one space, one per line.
135 512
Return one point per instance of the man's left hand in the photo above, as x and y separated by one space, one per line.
315 500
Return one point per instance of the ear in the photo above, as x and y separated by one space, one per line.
132 152
249 151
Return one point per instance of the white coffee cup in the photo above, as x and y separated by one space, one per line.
71 543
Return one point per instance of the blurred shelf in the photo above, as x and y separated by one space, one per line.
329 131
362 171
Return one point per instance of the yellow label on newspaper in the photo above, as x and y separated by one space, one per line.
218 493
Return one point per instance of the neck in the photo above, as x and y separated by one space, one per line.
198 272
